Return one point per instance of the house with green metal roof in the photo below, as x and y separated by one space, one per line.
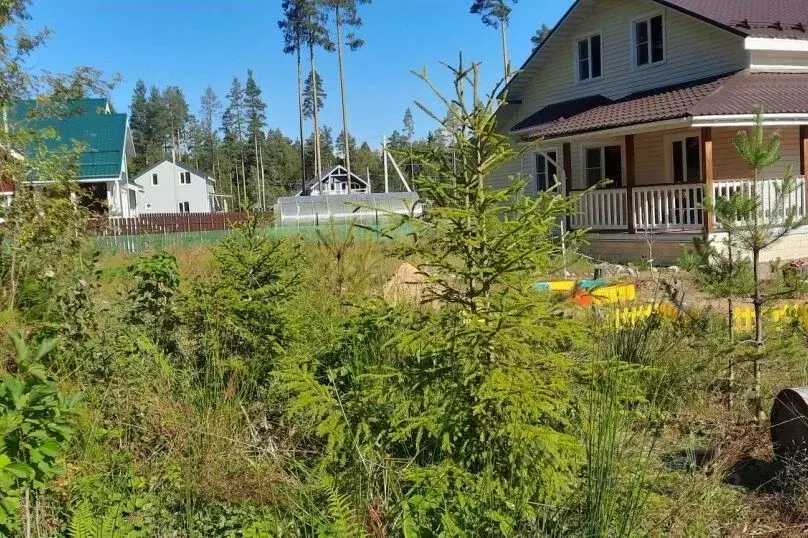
106 147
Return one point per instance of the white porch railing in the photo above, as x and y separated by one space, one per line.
767 193
601 209
678 207
668 207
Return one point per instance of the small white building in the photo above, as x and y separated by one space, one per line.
335 181
170 187
107 148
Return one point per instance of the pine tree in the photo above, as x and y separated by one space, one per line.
755 227
316 35
210 108
157 119
175 115
409 132
541 34
722 272
313 80
496 14
255 109
340 143
234 126
345 14
296 15
139 118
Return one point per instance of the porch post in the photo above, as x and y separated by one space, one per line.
630 180
566 149
803 150
804 157
707 172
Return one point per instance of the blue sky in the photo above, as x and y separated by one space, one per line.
196 43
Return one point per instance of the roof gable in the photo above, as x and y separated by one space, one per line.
185 167
743 18
88 122
336 171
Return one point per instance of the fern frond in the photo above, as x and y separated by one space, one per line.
82 522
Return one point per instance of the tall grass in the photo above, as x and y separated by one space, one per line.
618 432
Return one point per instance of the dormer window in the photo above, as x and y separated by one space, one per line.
588 58
649 41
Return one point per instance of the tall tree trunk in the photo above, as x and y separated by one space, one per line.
731 365
244 181
300 117
345 135
756 363
318 165
258 181
503 27
212 153
230 185
758 304
263 180
731 317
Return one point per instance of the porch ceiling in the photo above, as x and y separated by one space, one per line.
729 94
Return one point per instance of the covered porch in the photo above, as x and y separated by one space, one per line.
646 163
662 187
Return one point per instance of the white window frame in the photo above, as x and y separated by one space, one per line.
560 168
601 146
185 207
183 176
681 137
154 179
633 41
575 57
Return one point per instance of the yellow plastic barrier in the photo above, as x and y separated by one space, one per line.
562 285
744 316
628 316
616 293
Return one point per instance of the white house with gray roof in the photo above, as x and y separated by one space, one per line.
176 188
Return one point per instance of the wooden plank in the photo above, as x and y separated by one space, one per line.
804 158
631 176
707 172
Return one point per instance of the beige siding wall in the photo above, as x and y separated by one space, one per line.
577 153
652 154
728 165
768 59
500 179
694 50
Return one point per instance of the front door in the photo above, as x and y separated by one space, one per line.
686 160
546 171
686 168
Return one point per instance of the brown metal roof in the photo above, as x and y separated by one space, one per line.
757 18
777 93
738 93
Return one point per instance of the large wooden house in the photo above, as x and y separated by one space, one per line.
649 95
